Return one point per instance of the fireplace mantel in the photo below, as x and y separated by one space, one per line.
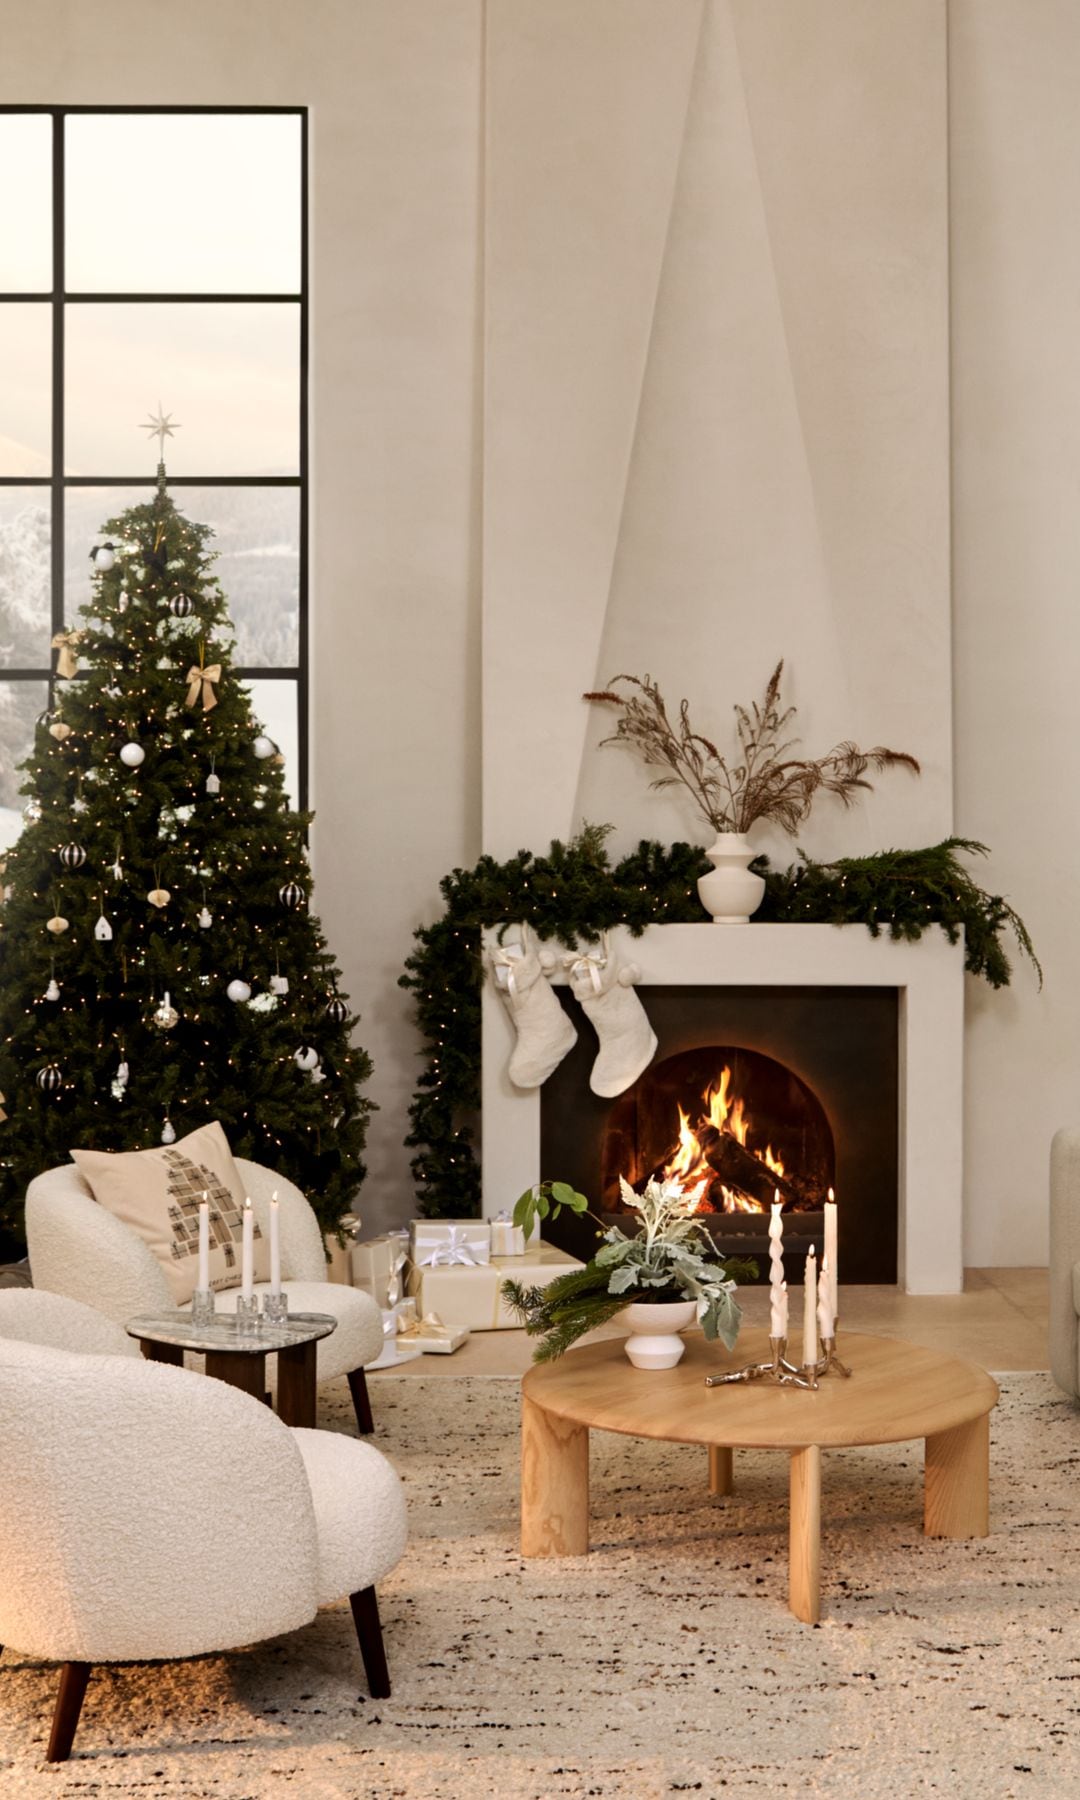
929 977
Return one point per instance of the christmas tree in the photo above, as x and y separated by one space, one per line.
159 962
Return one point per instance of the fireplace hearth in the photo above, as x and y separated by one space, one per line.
898 1171
752 1092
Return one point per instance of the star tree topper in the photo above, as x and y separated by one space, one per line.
161 427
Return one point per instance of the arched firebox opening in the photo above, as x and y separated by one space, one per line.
730 1125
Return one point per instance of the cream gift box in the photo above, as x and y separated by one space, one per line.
507 1239
471 1295
374 1262
451 1242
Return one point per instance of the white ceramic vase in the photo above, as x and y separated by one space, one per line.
730 892
654 1341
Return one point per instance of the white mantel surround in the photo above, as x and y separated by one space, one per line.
929 975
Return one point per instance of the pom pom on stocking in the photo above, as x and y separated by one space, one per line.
544 1033
605 988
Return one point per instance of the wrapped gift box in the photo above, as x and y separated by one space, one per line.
374 1262
507 1239
450 1242
470 1295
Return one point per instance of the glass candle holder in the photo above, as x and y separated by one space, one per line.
275 1309
202 1307
247 1316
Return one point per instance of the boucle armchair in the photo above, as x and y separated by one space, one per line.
80 1249
1065 1261
149 1514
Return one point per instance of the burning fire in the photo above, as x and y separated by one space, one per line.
689 1163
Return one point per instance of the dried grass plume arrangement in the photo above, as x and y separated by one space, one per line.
762 780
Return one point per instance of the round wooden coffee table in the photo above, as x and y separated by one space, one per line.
897 1391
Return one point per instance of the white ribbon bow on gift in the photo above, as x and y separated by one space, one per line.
456 1250
503 963
590 962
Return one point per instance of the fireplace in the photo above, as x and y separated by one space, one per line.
752 1092
898 1175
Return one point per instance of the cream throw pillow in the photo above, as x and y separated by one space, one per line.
157 1192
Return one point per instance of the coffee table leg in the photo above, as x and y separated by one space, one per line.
296 1385
554 1484
956 1493
166 1353
240 1369
804 1572
721 1470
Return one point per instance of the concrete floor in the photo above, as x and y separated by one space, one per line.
1000 1321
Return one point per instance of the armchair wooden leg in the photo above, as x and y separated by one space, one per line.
361 1404
73 1679
365 1612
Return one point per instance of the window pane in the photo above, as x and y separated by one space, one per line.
21 702
195 204
25 389
25 536
274 705
26 203
230 376
258 540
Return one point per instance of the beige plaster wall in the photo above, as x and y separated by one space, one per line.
1015 174
396 124
716 418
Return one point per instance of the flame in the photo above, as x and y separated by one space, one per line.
688 1164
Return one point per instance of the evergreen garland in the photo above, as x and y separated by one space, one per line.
573 893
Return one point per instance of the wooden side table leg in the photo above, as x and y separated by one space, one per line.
296 1385
239 1369
721 1469
554 1484
804 1573
166 1353
956 1492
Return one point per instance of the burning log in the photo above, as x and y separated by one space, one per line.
737 1167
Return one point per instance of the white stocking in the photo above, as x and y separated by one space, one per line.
544 1033
605 988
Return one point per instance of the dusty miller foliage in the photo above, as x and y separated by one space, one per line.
762 781
574 893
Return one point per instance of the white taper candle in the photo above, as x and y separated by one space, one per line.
825 1305
776 1269
810 1343
247 1252
829 1259
275 1245
204 1242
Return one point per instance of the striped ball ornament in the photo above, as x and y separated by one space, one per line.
181 606
336 1010
292 895
50 1078
72 856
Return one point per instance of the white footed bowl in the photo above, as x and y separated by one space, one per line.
654 1325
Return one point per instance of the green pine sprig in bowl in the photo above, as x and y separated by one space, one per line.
669 1257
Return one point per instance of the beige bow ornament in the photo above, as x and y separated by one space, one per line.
202 680
66 643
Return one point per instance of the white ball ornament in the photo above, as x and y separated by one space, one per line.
263 747
103 556
238 990
131 755
306 1058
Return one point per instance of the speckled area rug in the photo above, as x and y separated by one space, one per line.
664 1663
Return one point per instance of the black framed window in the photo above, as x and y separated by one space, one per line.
153 254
